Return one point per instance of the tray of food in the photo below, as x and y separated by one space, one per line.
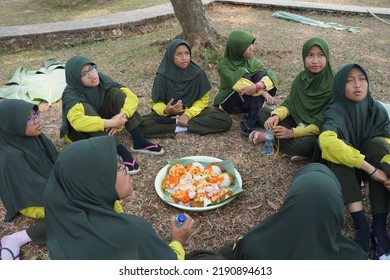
198 183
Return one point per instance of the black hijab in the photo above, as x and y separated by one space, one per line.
80 220
355 122
307 226
25 161
188 84
75 92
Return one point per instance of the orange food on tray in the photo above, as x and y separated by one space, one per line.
197 186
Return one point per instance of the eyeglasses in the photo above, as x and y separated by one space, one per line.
91 69
121 165
34 118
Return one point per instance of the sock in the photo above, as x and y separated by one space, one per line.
362 235
126 156
14 242
139 141
181 129
379 223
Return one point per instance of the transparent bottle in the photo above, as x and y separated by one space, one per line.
268 143
180 219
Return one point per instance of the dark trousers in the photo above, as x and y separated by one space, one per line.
210 120
350 178
302 146
37 233
237 103
113 103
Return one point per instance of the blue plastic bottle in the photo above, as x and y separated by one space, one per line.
268 144
180 219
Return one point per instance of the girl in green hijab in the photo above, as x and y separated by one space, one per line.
180 97
95 105
354 138
27 157
80 221
297 121
246 84
307 226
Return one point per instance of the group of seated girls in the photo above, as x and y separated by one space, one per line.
75 194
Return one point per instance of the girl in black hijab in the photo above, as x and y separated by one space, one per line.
95 105
81 223
180 97
354 138
27 157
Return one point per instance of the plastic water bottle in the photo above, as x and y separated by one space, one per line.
180 219
268 143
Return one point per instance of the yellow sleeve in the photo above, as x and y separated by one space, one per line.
309 130
336 151
281 111
197 107
241 84
118 207
178 249
158 107
82 123
33 212
131 102
268 83
387 140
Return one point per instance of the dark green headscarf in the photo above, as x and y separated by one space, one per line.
307 226
80 220
25 161
310 93
234 65
188 84
355 122
75 92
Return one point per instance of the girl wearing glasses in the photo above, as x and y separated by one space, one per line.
27 157
95 105
81 223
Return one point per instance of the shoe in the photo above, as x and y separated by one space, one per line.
154 149
380 253
165 120
132 167
257 136
245 130
297 158
11 253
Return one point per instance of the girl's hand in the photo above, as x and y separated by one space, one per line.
181 234
269 98
173 109
283 133
182 120
271 122
249 90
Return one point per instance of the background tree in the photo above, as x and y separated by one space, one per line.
197 27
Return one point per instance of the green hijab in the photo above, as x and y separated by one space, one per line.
234 65
307 226
310 93
25 161
355 122
80 220
75 92
188 84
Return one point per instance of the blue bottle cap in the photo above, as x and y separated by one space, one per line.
181 217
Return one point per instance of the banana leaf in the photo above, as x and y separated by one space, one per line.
45 84
313 22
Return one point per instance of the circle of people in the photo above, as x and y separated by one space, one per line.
329 118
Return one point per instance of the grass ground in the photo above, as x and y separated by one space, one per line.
133 61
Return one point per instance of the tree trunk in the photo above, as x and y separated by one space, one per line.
197 27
